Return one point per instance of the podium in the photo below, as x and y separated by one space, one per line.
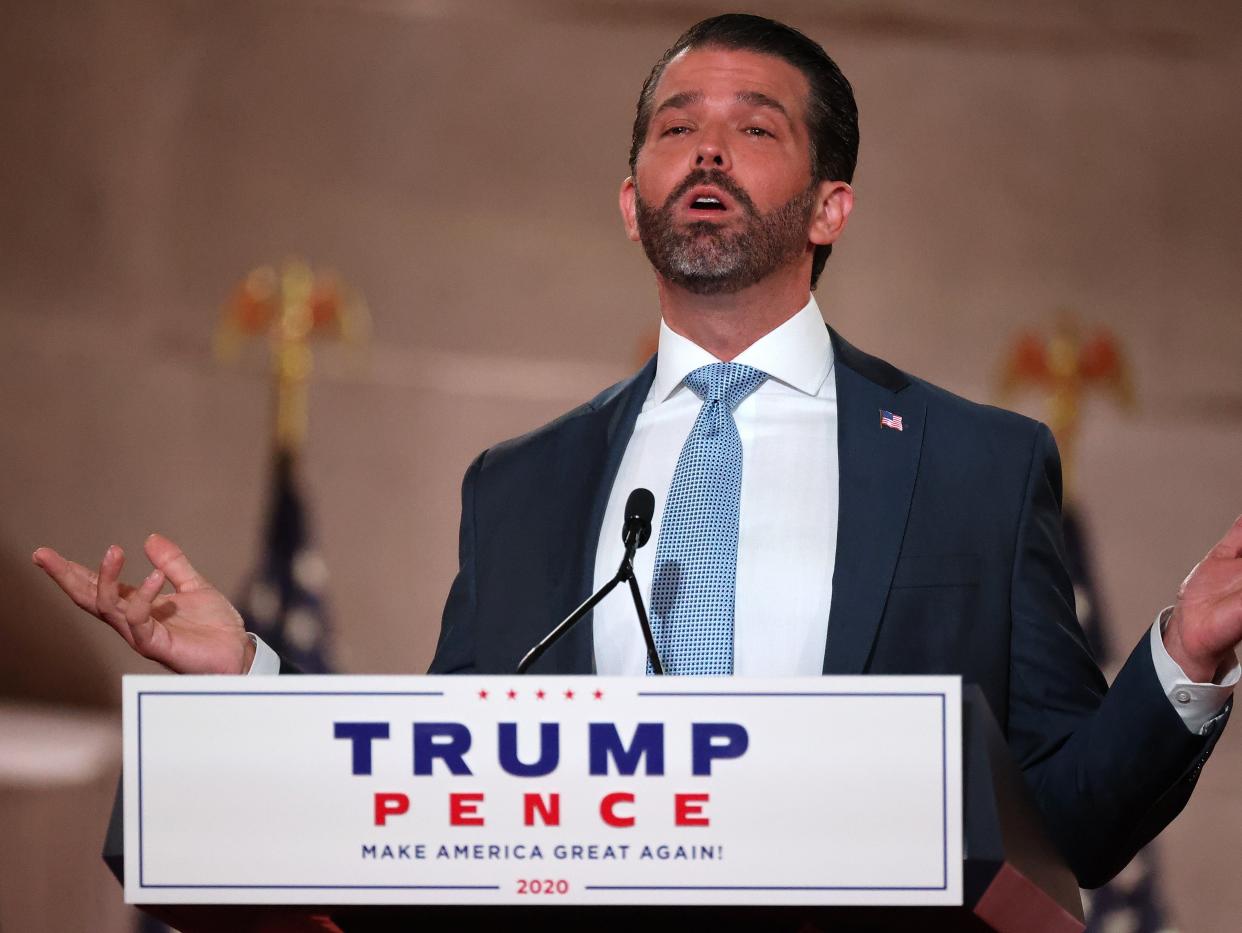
1011 878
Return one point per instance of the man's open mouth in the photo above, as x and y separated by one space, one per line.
704 200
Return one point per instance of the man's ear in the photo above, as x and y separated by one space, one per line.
834 202
629 214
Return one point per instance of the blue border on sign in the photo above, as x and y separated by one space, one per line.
644 694
281 887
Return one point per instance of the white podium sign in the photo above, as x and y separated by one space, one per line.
543 790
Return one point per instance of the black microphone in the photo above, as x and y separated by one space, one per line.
635 532
639 508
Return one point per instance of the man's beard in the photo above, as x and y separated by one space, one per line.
706 259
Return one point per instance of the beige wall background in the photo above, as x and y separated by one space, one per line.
458 163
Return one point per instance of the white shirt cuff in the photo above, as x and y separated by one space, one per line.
1199 705
266 661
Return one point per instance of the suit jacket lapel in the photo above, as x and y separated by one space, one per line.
878 466
588 457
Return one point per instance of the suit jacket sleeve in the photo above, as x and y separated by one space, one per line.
1109 767
455 651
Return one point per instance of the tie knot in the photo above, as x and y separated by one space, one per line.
729 383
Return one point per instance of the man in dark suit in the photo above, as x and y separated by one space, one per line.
817 509
948 554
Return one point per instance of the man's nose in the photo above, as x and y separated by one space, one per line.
709 153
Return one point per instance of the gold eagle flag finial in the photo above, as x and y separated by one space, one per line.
1065 366
289 308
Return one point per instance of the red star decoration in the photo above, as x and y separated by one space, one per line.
482 694
512 694
599 694
539 694
569 694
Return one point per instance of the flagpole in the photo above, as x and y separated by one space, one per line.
283 601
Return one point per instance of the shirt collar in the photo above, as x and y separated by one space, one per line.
798 353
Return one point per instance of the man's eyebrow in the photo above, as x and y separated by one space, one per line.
751 98
759 99
683 99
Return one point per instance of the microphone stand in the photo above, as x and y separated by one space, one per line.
625 573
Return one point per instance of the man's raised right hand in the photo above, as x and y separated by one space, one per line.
193 630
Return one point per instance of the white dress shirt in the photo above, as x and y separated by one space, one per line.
787 530
787 525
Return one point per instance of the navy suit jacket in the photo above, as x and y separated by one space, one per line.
949 561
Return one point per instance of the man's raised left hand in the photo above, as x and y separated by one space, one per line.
1206 625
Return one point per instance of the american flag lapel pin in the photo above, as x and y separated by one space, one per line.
889 420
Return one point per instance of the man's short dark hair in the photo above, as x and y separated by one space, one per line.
831 114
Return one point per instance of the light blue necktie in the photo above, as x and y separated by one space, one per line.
696 557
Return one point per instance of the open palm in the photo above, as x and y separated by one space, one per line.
193 630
